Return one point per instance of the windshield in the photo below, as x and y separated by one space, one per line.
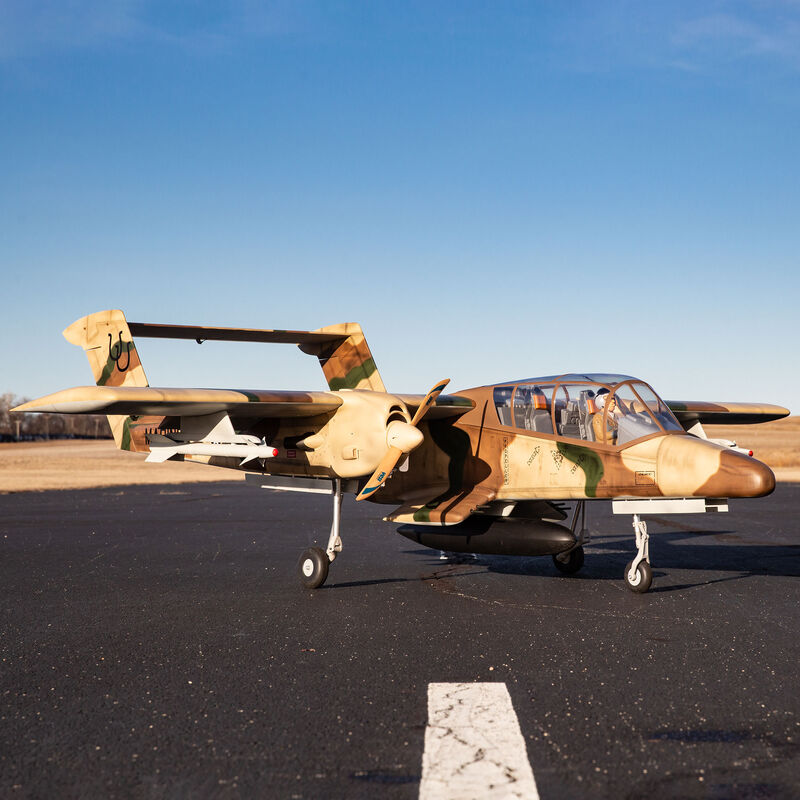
613 412
634 410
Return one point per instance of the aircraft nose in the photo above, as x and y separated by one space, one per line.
739 476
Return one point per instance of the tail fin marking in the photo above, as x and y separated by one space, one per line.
107 341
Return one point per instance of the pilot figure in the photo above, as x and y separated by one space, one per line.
605 434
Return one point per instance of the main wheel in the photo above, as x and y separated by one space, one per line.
313 567
642 580
569 563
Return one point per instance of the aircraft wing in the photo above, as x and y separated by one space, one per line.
152 401
446 405
706 413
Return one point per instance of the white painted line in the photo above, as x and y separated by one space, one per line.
473 745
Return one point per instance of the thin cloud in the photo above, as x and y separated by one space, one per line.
701 36
40 27
29 27
734 36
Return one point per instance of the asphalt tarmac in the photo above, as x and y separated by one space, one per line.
156 643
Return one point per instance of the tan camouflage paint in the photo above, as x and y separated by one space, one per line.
347 364
505 463
190 402
463 462
727 413
113 357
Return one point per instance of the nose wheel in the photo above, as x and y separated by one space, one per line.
639 579
639 573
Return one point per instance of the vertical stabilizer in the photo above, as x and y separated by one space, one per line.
347 363
107 341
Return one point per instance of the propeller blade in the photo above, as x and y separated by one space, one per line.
381 473
389 461
430 398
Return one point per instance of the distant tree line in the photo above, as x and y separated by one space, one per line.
25 427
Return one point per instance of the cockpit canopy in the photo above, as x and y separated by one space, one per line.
608 409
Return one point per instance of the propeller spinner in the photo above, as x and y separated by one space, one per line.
402 438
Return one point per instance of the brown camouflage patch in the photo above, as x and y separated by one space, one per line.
107 341
348 363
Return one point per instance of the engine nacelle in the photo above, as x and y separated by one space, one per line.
358 435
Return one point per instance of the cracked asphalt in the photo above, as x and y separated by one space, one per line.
156 643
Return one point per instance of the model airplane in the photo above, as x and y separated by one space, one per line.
486 470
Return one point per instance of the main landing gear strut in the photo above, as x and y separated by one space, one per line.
638 573
569 562
315 561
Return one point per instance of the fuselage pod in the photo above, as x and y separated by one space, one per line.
493 536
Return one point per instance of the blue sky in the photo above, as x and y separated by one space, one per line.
493 190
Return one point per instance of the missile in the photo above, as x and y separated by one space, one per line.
247 451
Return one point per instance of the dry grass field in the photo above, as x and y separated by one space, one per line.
40 466
71 464
775 443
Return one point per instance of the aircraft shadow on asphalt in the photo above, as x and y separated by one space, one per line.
353 584
670 550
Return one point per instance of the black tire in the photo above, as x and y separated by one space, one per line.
571 563
313 567
644 575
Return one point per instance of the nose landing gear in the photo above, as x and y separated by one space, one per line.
639 573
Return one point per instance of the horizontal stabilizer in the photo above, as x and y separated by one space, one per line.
341 349
202 334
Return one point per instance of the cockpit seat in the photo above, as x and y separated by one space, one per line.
587 409
540 416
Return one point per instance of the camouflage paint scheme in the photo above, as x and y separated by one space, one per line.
114 362
485 460
467 458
